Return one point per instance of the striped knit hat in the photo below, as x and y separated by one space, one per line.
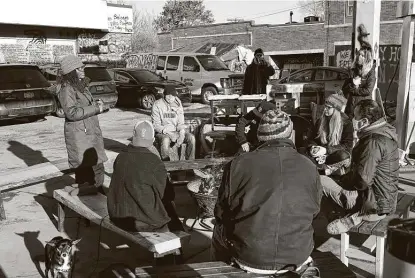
275 124
336 101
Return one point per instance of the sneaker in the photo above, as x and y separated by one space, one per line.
311 272
343 225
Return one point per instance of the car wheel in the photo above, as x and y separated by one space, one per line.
147 101
207 92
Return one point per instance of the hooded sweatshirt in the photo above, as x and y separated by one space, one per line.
167 117
375 168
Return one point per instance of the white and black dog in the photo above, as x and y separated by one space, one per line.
58 257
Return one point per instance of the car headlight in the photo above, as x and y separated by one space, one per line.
225 83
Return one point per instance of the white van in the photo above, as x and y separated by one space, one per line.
201 72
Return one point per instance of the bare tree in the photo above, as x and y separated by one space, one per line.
313 7
144 38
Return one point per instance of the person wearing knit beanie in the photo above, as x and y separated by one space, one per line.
252 189
332 132
257 75
83 136
275 124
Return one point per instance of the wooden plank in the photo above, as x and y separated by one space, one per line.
328 264
366 228
404 203
380 256
154 242
344 247
369 245
195 164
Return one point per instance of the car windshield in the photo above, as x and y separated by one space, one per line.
19 77
97 74
145 76
211 62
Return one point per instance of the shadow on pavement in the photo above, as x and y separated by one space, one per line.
28 155
113 145
35 248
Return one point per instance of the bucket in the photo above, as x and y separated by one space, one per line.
400 249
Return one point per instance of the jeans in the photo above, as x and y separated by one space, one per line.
93 175
165 145
346 199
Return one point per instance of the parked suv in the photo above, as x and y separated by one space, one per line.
24 92
101 85
140 87
199 71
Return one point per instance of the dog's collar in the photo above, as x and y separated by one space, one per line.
61 269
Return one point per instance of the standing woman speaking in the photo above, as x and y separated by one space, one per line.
83 136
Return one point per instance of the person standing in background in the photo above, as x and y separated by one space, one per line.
257 75
83 136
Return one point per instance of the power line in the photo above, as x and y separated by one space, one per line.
286 10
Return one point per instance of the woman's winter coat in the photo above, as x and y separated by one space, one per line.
346 140
83 136
364 91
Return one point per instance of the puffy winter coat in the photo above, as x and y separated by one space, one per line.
83 136
375 168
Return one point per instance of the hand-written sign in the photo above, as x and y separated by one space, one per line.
120 19
143 61
343 56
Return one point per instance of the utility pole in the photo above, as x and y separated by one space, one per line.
368 13
405 109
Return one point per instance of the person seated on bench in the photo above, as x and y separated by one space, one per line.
369 190
138 184
249 141
167 116
332 132
267 202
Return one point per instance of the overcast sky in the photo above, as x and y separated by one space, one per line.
256 10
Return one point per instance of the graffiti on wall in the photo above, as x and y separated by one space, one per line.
32 51
144 61
107 60
90 43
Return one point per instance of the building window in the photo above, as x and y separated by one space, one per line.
349 8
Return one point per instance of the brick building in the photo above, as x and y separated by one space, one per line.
43 32
300 45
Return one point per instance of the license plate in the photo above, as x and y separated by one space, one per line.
100 88
29 95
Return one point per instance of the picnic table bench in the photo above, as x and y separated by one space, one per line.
329 265
378 232
94 208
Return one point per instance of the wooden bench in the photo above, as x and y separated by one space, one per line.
328 264
377 231
94 208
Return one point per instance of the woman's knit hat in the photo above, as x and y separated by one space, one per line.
70 63
275 124
336 101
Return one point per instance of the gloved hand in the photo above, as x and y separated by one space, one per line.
245 147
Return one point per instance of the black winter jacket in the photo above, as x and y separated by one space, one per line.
256 79
252 119
266 204
364 91
346 141
375 168
136 191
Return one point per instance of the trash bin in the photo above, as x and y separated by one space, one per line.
400 249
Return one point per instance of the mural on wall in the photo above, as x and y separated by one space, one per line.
90 43
36 49
107 60
389 56
144 61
